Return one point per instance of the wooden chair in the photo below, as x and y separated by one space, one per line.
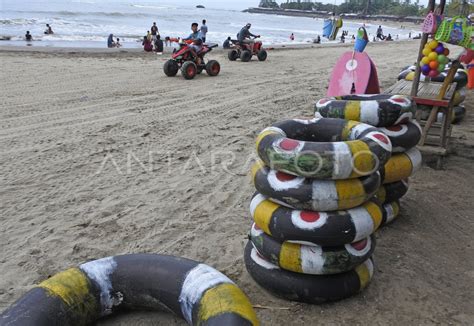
435 136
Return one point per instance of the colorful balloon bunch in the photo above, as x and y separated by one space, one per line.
435 59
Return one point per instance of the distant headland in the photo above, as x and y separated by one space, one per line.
326 14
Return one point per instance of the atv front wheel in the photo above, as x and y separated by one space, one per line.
213 68
245 56
262 55
171 68
233 55
189 70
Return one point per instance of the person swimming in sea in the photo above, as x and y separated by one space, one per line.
28 36
48 30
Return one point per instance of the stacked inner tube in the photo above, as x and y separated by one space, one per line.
460 78
79 296
314 211
393 115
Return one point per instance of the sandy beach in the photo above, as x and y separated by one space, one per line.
102 154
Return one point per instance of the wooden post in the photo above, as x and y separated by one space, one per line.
424 39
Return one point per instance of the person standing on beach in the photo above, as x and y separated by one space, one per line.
154 31
204 30
380 33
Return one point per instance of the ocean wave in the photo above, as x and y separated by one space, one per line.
101 13
153 7
67 13
17 21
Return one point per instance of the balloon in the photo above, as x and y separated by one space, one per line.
434 65
433 73
433 44
441 67
426 51
425 60
442 59
446 51
433 56
425 69
439 49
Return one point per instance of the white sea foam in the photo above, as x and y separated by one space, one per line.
78 21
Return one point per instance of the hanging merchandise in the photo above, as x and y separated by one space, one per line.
455 31
434 59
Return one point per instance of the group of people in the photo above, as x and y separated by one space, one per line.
153 42
379 34
343 36
111 43
47 31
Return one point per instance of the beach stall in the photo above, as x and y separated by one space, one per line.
432 63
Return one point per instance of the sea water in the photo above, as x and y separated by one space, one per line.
87 23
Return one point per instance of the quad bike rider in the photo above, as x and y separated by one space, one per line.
245 47
190 57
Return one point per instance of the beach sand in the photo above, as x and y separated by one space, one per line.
102 154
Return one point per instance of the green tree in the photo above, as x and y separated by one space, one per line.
268 4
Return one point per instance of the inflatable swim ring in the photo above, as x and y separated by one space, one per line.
323 148
405 71
408 73
323 228
378 110
392 191
308 258
390 212
403 136
313 194
401 166
79 296
304 287
459 112
459 96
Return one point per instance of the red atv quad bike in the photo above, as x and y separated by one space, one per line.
183 59
245 52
